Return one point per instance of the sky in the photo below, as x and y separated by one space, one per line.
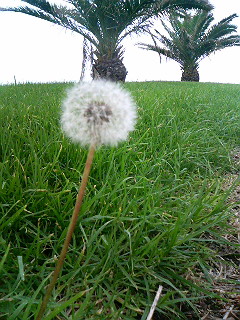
34 50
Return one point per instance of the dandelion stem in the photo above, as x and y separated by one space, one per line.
71 228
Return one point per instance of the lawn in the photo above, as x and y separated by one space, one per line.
155 211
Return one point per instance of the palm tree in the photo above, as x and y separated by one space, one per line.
191 38
105 23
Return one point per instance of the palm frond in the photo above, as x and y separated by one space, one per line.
228 19
222 28
230 41
201 23
170 5
161 51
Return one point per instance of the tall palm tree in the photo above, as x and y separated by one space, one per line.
191 38
104 23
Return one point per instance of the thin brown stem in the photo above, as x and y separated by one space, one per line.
71 228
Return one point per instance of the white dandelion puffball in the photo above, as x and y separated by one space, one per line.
98 112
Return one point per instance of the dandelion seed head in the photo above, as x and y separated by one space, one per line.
99 112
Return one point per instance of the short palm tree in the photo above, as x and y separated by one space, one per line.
191 38
104 23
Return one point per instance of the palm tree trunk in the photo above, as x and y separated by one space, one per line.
190 74
111 69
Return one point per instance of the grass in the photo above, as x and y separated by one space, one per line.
153 205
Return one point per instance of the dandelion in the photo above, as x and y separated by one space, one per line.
98 113
94 114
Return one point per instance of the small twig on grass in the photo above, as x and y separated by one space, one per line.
69 232
228 313
205 316
153 307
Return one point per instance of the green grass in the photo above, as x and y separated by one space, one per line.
151 209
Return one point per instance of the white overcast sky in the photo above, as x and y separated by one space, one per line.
34 50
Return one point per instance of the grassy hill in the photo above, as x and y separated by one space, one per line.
155 212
